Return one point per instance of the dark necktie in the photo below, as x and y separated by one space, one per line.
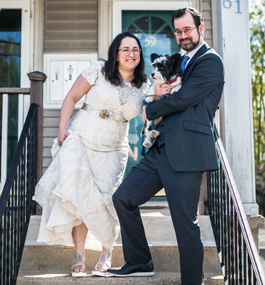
184 63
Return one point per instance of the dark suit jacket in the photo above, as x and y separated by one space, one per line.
188 113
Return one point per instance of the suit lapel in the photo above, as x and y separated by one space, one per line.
201 51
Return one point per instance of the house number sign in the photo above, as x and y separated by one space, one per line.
228 4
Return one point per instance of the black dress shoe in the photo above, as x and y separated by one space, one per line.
128 270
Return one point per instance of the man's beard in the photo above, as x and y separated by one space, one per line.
190 46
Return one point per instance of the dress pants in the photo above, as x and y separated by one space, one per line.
182 188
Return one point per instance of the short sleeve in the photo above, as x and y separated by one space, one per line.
91 73
145 87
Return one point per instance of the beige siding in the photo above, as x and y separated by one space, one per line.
50 132
207 15
71 26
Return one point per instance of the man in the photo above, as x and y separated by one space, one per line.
178 158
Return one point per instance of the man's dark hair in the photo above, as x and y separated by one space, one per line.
111 70
198 19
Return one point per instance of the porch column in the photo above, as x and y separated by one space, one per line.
236 121
36 96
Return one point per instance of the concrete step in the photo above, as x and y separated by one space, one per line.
160 278
46 264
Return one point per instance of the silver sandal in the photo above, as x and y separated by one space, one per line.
79 267
102 265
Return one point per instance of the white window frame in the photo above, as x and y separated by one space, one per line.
26 66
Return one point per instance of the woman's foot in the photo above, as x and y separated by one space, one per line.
79 267
103 264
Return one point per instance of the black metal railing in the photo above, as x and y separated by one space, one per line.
16 199
236 247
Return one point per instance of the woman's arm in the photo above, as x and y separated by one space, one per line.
78 90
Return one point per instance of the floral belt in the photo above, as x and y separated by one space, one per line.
105 114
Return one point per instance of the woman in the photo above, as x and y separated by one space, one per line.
90 154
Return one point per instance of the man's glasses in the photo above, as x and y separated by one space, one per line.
127 51
186 31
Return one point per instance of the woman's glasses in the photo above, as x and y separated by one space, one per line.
127 51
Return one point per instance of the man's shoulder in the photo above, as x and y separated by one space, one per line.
207 52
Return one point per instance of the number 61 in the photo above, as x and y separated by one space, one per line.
228 4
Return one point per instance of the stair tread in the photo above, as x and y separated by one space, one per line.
60 278
158 227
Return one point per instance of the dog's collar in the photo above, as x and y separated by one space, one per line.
173 80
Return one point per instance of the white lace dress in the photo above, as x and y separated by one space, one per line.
88 168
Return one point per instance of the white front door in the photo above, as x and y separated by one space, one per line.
15 62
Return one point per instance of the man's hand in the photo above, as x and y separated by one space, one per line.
162 90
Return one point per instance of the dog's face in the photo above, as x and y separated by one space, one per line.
166 67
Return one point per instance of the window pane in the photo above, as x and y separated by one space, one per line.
10 47
10 66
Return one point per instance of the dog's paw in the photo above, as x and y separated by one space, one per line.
149 99
147 144
154 133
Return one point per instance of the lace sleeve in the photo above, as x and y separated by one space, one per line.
145 87
91 73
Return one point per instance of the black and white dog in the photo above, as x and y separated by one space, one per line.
166 71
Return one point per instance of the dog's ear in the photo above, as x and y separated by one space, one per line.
154 56
176 60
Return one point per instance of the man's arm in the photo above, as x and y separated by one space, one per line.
206 76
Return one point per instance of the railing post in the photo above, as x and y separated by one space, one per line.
36 96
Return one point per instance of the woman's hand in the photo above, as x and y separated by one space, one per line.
62 136
144 118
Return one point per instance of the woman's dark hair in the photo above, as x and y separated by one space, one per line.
197 17
110 69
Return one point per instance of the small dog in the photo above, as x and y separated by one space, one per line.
166 71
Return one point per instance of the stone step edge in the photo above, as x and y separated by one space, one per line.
158 278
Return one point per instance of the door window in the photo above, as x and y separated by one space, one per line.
154 30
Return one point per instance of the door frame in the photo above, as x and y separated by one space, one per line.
26 7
